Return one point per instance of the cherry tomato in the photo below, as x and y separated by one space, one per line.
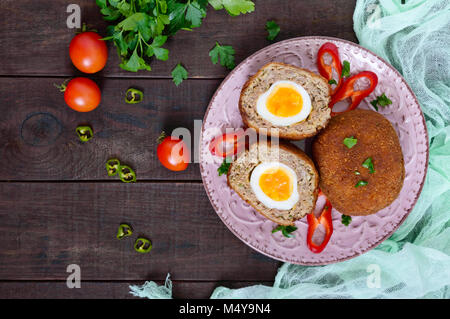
173 154
88 53
82 95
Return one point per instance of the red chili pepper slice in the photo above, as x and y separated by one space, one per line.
348 91
326 70
228 144
314 222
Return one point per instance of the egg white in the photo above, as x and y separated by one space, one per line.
266 200
261 105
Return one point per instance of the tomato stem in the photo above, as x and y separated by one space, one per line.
161 137
62 87
85 28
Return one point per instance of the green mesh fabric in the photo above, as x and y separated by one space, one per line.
415 261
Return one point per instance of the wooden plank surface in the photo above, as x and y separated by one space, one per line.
38 136
47 226
37 37
57 206
115 290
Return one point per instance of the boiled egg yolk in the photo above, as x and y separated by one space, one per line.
284 103
276 183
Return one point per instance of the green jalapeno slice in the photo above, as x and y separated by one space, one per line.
124 230
142 245
112 166
134 96
126 174
84 133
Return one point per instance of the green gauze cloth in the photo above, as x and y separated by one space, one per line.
415 261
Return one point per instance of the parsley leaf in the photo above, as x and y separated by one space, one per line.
156 50
346 220
195 13
375 104
381 100
225 53
285 230
179 73
350 141
273 28
332 81
369 165
345 69
225 167
361 183
233 7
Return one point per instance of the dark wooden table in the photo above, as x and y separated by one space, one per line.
57 206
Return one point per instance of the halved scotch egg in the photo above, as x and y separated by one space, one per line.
285 101
278 180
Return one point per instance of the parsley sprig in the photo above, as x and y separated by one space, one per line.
141 27
179 73
346 220
224 53
285 230
225 167
368 163
350 141
345 69
381 100
273 29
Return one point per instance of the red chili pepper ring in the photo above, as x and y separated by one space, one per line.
326 70
228 144
314 222
348 91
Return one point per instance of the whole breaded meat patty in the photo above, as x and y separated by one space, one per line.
349 185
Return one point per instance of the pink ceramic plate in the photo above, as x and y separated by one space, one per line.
364 232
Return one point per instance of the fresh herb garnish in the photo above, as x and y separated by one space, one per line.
345 69
285 230
225 167
233 7
369 165
381 100
357 173
224 53
332 81
346 220
350 141
179 73
361 183
273 28
141 27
